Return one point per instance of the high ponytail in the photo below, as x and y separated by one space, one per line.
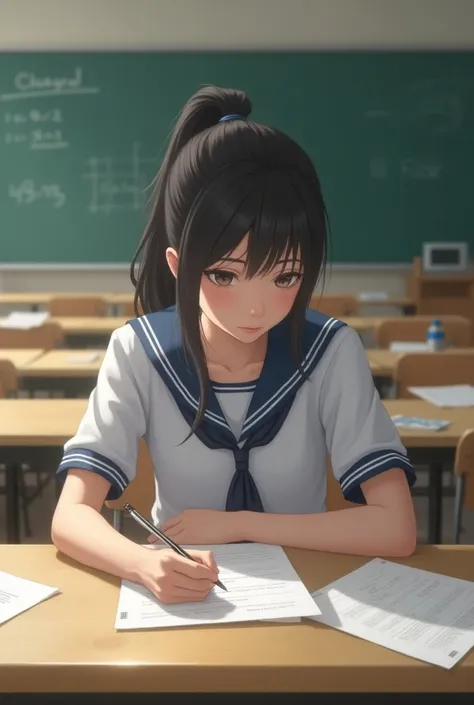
202 111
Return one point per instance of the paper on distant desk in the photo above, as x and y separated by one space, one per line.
82 358
18 595
373 296
24 320
421 614
261 585
447 395
408 346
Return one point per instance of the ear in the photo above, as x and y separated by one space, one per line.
172 259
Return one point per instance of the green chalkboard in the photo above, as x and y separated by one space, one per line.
81 134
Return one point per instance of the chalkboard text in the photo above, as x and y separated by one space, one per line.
27 193
28 84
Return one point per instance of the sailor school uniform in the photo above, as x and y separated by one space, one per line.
262 445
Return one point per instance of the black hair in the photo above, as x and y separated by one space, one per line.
219 181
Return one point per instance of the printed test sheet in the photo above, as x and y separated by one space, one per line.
424 615
261 585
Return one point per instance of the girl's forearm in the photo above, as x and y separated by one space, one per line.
364 530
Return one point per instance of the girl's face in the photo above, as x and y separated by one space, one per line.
248 308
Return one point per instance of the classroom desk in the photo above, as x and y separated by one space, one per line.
407 305
383 362
34 300
20 357
364 324
62 370
30 428
68 644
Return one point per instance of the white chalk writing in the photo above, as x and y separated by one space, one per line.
119 184
27 193
27 84
422 170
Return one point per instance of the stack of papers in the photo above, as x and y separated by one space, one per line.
24 320
261 585
408 346
414 612
18 595
373 296
416 422
454 395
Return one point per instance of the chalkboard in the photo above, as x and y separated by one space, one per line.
82 134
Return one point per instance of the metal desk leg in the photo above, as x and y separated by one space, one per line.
435 507
12 503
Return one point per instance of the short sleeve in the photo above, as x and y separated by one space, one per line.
361 438
108 436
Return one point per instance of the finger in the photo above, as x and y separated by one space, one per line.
208 559
192 569
154 539
184 582
175 533
178 596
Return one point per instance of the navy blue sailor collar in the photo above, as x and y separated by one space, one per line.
276 388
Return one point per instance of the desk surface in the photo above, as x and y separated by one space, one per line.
20 357
42 422
42 298
69 644
78 325
383 362
63 363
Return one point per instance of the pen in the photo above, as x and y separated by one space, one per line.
166 539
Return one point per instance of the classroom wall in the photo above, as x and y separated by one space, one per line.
224 24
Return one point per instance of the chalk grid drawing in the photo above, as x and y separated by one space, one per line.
120 184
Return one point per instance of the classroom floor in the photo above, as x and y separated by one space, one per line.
41 511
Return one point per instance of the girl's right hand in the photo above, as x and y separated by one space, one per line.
173 578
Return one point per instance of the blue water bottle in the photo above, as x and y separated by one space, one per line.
436 338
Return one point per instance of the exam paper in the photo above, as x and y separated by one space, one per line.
373 296
18 595
446 395
24 320
261 585
424 615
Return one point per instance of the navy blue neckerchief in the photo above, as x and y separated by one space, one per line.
272 399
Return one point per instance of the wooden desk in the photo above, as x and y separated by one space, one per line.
20 357
363 324
383 362
92 325
34 299
68 644
29 427
61 363
406 304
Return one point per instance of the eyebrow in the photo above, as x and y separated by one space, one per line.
242 261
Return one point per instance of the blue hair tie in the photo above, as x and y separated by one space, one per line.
232 116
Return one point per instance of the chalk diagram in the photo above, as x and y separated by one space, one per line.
120 184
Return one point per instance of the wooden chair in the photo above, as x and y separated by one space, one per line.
77 306
9 388
412 329
464 474
129 311
140 493
8 378
336 305
432 369
48 336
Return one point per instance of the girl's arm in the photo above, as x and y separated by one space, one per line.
81 532
386 526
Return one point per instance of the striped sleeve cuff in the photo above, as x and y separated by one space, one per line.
85 459
371 465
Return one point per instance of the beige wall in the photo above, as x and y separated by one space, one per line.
226 24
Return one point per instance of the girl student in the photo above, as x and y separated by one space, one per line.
239 389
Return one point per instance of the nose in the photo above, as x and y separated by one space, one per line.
256 310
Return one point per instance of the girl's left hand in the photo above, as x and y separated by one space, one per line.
201 526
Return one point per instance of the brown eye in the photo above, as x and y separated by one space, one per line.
286 281
221 278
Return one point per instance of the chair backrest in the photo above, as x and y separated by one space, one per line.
129 311
48 336
432 369
77 306
140 493
464 464
8 377
412 329
336 305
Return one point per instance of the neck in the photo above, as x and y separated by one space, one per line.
221 348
